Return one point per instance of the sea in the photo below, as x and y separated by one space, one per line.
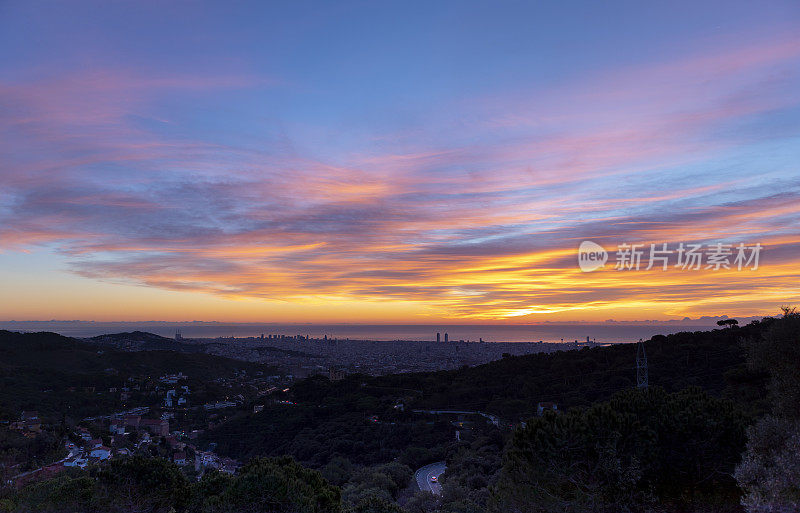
548 332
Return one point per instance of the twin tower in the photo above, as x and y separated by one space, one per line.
439 337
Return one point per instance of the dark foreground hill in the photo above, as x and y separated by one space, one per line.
56 375
712 360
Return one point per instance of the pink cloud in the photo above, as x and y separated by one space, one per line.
494 210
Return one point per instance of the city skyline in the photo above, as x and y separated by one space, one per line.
364 163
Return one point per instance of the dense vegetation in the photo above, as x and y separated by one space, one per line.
154 485
33 451
58 375
511 387
330 420
769 472
640 450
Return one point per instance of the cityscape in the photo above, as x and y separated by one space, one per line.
304 356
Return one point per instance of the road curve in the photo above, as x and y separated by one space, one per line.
494 419
423 477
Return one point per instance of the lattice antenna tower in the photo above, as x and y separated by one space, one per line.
641 366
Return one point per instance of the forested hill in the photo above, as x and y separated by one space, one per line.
511 387
48 372
143 341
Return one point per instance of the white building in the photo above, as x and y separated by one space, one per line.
77 462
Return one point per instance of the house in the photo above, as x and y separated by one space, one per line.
95 443
207 459
258 408
545 406
228 466
123 452
84 434
132 421
219 405
157 427
171 379
179 458
101 452
77 462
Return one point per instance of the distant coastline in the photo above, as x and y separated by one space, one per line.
609 332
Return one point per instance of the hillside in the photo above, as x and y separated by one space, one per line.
330 418
55 374
144 341
713 360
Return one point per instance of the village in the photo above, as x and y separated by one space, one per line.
168 424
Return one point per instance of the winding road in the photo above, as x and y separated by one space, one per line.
423 477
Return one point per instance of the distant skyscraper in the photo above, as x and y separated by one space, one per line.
438 337
446 338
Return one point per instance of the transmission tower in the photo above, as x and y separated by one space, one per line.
641 366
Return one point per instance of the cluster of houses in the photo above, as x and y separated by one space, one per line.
131 423
131 432
209 459
92 450
173 398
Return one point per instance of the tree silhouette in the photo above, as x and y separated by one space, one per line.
728 322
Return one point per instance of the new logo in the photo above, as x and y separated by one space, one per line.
591 256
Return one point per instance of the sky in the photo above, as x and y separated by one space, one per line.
383 162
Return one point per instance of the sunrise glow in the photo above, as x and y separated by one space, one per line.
328 173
